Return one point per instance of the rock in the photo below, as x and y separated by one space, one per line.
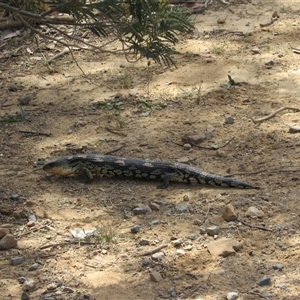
180 252
229 120
193 137
255 50
34 267
25 296
51 286
144 242
7 242
16 261
188 247
21 279
213 230
68 289
3 232
202 230
187 146
191 236
135 229
177 242
294 129
172 292
229 213
154 223
155 276
14 197
282 286
158 255
252 211
32 218
265 281
154 206
28 285
146 262
58 282
24 100
232 296
140 211
181 208
209 131
278 266
198 222
224 247
183 160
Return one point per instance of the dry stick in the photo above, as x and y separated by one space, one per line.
274 113
35 133
253 226
257 294
115 150
154 250
205 216
66 243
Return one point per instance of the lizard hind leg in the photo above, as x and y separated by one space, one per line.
166 180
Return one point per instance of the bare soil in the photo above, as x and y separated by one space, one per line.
147 110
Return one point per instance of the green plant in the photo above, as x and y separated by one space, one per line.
104 234
125 80
217 49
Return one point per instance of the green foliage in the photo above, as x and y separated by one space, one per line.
145 28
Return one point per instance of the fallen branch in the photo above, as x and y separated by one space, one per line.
66 243
150 252
253 226
274 113
114 150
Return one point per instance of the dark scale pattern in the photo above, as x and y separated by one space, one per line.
90 164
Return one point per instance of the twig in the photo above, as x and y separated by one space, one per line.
154 250
204 147
66 243
35 133
274 113
115 150
205 218
253 226
2 139
257 294
115 131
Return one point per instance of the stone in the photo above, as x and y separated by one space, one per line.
154 206
24 100
140 211
51 286
3 232
14 197
158 255
34 267
224 247
146 262
213 230
187 146
177 242
265 281
135 229
25 296
278 266
180 252
192 236
229 213
154 222
294 129
16 261
7 242
28 285
144 242
155 276
21 279
181 208
254 212
229 120
232 296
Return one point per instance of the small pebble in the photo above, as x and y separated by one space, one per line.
14 197
135 229
34 267
158 255
25 296
144 242
232 296
187 146
192 236
177 242
140 211
182 208
278 266
213 230
146 262
265 281
24 100
16 261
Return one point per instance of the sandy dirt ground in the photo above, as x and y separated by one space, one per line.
145 111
